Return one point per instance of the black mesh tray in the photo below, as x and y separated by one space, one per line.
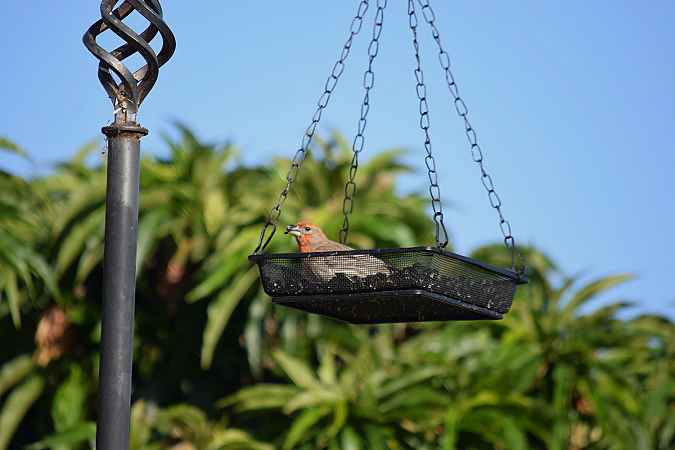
388 285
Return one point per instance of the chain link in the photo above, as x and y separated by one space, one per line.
434 189
357 144
476 153
300 154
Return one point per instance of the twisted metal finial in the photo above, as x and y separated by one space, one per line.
128 95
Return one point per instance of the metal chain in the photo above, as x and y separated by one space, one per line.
299 157
357 144
476 153
434 189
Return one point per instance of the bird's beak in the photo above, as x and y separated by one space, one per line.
293 230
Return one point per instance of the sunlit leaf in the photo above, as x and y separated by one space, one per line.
301 424
298 371
220 310
14 371
233 439
9 146
259 396
16 405
11 290
147 234
82 432
591 290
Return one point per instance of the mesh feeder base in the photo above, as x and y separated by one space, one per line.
388 307
388 285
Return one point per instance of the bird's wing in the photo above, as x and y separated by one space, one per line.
370 265
350 265
356 265
330 246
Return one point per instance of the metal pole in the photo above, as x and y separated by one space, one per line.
119 286
122 192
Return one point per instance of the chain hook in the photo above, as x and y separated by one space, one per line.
300 154
476 152
434 188
357 144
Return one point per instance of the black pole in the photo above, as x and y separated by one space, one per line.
119 286
122 192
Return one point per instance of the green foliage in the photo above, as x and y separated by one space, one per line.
184 426
216 366
22 387
22 231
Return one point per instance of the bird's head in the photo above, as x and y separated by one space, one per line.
306 234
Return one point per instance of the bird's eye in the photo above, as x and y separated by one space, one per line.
307 228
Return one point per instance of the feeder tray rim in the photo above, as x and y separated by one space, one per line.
374 251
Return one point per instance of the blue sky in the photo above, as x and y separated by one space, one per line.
572 103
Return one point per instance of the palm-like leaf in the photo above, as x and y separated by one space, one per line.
24 273
24 385
548 376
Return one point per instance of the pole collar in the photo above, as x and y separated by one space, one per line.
129 129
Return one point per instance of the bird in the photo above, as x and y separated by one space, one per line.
311 238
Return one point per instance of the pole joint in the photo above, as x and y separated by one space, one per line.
131 130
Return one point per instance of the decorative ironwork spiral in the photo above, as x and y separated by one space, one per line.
134 87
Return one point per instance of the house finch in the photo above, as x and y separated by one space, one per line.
311 238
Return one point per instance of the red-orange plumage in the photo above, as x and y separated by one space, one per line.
311 238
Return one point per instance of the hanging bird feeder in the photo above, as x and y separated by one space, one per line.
390 285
